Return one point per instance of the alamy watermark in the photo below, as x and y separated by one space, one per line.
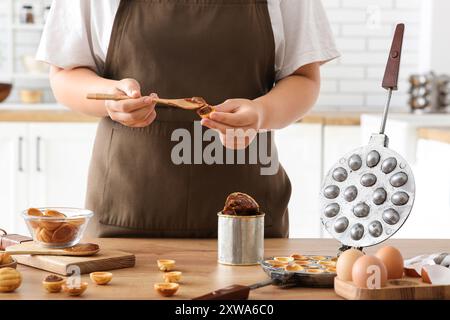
241 147
74 279
374 280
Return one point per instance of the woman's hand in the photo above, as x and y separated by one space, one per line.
138 111
237 121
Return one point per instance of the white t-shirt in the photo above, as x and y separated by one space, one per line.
77 34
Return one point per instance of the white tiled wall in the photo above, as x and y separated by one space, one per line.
351 82
363 31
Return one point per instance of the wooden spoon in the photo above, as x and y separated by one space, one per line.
187 104
81 249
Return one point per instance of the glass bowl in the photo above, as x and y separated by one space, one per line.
57 227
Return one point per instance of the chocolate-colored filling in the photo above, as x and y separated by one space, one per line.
53 278
240 204
205 110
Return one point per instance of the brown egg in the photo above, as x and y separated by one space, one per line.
345 263
393 260
369 272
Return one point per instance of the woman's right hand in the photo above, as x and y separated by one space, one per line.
138 111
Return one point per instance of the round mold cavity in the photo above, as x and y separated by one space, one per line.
373 158
350 193
332 210
368 179
331 192
355 162
361 210
389 165
357 231
398 179
400 198
379 196
390 216
375 229
340 174
341 224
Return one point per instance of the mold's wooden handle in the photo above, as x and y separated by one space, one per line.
390 78
233 292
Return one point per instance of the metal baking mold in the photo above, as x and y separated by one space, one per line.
369 193
324 279
375 198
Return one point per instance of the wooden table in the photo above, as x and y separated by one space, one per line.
201 273
321 117
437 134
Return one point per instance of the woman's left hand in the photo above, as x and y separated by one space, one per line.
237 121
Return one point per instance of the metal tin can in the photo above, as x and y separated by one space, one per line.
240 239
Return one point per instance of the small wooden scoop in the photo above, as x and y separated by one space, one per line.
187 103
81 249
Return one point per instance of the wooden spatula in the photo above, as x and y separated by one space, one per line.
81 249
188 103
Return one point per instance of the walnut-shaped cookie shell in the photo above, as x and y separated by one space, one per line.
10 279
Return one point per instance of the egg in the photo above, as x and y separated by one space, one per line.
393 260
345 263
369 272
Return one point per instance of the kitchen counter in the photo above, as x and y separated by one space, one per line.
333 118
403 130
44 116
63 115
436 134
201 273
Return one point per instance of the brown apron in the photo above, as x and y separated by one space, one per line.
217 49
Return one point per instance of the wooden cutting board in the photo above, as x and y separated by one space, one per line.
102 261
30 247
406 288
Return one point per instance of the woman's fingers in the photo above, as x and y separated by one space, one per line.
231 119
134 117
129 105
232 138
137 111
222 128
226 129
228 106
234 113
146 122
130 87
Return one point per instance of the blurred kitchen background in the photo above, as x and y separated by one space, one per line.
45 149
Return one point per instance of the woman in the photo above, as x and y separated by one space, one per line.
231 52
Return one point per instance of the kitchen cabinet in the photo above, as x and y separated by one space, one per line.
402 130
13 173
429 159
430 217
306 151
338 141
60 161
43 164
300 153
